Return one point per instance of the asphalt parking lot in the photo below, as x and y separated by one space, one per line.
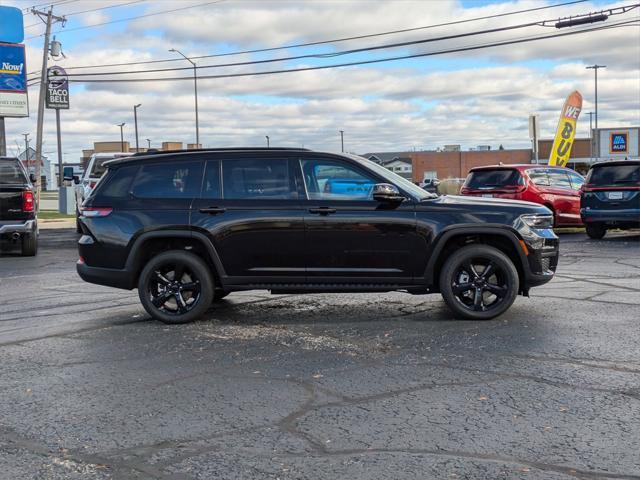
322 386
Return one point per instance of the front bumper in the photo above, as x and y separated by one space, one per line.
19 226
542 259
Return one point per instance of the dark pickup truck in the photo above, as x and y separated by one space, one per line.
18 211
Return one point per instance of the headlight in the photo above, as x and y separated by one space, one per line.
537 220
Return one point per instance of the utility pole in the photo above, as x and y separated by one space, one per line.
342 140
135 119
121 125
195 91
49 18
595 71
26 151
591 136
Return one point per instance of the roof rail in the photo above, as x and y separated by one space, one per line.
225 149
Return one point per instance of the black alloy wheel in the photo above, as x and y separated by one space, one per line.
595 230
479 282
176 287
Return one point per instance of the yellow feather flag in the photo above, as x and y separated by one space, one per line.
566 132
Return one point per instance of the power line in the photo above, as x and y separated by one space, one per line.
335 40
93 10
130 18
54 3
335 54
361 62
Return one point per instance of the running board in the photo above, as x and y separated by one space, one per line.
290 288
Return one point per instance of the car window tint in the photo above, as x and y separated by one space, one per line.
487 179
211 184
539 177
335 180
615 175
576 180
98 166
117 183
559 179
11 173
262 178
168 180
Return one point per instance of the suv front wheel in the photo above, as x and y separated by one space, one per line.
176 287
479 282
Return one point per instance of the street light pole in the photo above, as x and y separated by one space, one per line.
342 140
148 143
267 137
595 71
135 119
195 91
121 125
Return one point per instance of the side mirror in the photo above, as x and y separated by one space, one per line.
32 178
387 193
76 179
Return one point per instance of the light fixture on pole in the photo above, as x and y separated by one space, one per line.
267 137
195 91
135 119
121 125
148 143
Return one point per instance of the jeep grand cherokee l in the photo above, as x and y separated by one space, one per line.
186 228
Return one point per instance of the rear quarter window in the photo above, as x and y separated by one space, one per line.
117 182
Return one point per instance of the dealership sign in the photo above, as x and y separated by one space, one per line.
11 25
14 101
57 88
618 143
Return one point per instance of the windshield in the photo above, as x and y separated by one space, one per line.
615 175
394 178
98 166
11 174
488 179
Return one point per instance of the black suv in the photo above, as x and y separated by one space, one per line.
188 227
611 197
18 221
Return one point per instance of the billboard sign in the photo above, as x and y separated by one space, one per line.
14 101
57 88
566 131
11 25
618 142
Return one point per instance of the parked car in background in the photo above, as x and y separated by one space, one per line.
186 228
449 186
86 184
557 188
430 185
18 209
611 197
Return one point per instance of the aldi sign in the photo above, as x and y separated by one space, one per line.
618 142
14 101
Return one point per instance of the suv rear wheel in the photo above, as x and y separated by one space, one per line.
479 282
29 245
595 230
176 287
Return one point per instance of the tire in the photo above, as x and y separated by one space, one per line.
78 227
174 303
468 293
595 230
219 295
29 245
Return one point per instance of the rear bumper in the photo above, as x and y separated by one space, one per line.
611 217
109 277
20 226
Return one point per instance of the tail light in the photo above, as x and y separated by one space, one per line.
90 212
92 185
28 203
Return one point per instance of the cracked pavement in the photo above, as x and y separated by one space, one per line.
364 386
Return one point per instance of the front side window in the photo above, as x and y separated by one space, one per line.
168 180
260 178
335 180
576 180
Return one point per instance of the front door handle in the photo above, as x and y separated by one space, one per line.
322 210
213 210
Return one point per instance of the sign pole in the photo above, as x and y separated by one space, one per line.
60 174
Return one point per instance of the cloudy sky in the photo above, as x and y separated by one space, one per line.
480 96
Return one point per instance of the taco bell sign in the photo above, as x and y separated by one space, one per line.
57 88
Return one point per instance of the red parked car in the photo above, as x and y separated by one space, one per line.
557 188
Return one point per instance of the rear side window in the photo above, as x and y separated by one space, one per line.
168 180
539 177
559 179
117 182
262 178
211 184
488 179
615 175
11 173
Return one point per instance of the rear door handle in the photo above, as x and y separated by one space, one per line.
213 210
322 210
